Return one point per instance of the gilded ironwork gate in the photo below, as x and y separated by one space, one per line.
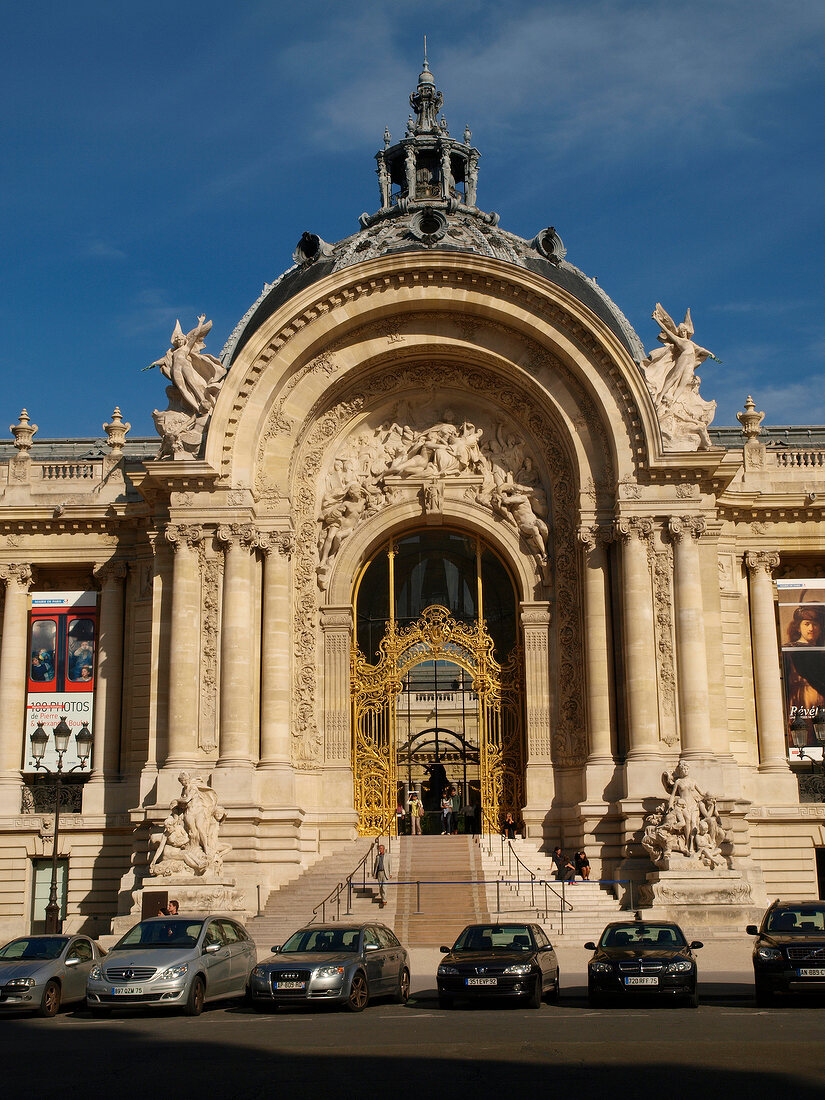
435 636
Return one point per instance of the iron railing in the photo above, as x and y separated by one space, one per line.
334 896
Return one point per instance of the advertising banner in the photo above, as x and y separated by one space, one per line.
802 645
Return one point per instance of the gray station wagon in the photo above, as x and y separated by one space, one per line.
173 962
345 964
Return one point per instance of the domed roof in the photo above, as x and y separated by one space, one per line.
428 183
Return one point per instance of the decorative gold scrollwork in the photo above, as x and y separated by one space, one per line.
375 690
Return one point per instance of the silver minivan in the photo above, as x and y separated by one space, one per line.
173 962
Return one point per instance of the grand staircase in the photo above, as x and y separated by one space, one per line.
438 885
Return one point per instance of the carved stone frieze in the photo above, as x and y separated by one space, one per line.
662 565
211 581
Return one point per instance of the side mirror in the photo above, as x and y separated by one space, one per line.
752 930
696 945
590 946
73 961
444 950
211 948
275 949
370 946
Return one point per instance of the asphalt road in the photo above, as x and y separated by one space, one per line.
726 1048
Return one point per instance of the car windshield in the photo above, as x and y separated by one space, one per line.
797 920
322 940
495 937
643 935
161 933
35 947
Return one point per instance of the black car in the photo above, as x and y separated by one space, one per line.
499 960
645 958
789 952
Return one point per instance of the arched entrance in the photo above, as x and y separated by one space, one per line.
436 681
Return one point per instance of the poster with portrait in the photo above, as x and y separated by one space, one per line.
802 642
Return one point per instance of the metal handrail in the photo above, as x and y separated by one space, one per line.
335 893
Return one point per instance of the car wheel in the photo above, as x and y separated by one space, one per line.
534 1000
359 994
197 995
445 1000
402 994
50 1001
554 993
693 999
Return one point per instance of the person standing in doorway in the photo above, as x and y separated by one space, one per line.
381 872
455 809
416 813
446 812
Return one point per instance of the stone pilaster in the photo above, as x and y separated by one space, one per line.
184 647
770 715
639 639
275 645
538 707
691 653
597 632
13 665
109 674
336 626
237 687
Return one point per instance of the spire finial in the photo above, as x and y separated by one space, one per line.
425 52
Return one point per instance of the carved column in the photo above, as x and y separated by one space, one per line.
236 721
13 667
184 646
535 618
109 679
770 715
336 624
275 647
639 639
691 652
599 673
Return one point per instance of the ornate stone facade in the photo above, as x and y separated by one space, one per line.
431 375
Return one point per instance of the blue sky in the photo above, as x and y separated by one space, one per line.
161 159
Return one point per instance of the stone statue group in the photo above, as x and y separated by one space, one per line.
189 844
688 825
360 482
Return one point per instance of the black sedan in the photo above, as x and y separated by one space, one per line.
499 960
789 952
642 957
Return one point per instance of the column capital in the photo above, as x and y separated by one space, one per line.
110 572
686 527
536 614
183 535
633 527
282 541
245 535
761 561
596 534
14 573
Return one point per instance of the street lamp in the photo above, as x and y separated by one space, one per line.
39 742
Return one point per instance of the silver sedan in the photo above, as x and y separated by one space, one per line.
338 963
41 973
173 962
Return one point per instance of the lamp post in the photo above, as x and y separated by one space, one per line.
39 741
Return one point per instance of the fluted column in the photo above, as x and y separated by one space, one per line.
770 715
535 618
639 639
13 666
109 674
184 646
691 652
336 626
275 647
237 625
598 673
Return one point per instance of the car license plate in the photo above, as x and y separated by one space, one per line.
127 990
641 981
482 981
289 985
819 972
